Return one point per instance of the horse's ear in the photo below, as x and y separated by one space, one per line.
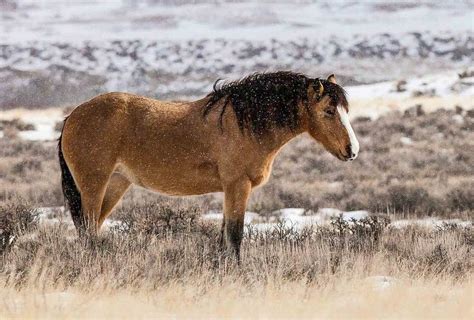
320 89
332 78
316 90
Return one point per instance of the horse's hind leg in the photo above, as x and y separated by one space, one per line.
92 195
116 188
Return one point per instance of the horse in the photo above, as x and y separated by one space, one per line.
225 142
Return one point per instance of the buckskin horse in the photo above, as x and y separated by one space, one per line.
224 142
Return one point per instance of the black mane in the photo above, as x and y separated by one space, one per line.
263 101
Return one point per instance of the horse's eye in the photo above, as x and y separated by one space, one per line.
330 112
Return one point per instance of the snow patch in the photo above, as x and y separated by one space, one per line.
250 217
430 223
294 217
297 218
44 122
406 140
111 224
52 20
459 119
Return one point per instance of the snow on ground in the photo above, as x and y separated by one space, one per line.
56 74
52 20
296 218
440 85
430 223
54 215
57 215
50 57
435 91
44 131
406 140
44 122
217 215
300 218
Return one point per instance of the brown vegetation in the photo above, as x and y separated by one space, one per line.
164 261
409 164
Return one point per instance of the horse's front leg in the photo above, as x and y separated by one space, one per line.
236 196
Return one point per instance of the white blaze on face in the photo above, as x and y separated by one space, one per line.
345 121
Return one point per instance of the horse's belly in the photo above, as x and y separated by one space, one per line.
182 186
176 180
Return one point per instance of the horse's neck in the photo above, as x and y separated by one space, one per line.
278 138
281 136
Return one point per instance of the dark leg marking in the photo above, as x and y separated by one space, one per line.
234 230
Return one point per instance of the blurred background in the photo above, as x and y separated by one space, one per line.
59 53
406 66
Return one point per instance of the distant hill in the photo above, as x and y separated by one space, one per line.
60 53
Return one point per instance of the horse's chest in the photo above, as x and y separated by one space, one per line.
259 174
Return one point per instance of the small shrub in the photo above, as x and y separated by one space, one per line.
15 220
360 235
157 219
466 74
23 166
406 199
401 86
17 124
437 259
461 198
415 111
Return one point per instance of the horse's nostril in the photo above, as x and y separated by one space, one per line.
349 151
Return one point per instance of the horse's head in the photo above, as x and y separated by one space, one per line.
329 122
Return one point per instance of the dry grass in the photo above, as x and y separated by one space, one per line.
176 270
339 299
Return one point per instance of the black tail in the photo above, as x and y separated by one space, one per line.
71 194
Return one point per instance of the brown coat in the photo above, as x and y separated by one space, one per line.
117 139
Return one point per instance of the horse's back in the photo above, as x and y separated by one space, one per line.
113 113
155 144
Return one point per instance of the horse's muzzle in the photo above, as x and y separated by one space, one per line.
350 154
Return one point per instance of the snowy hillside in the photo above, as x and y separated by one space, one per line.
55 54
178 20
61 73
